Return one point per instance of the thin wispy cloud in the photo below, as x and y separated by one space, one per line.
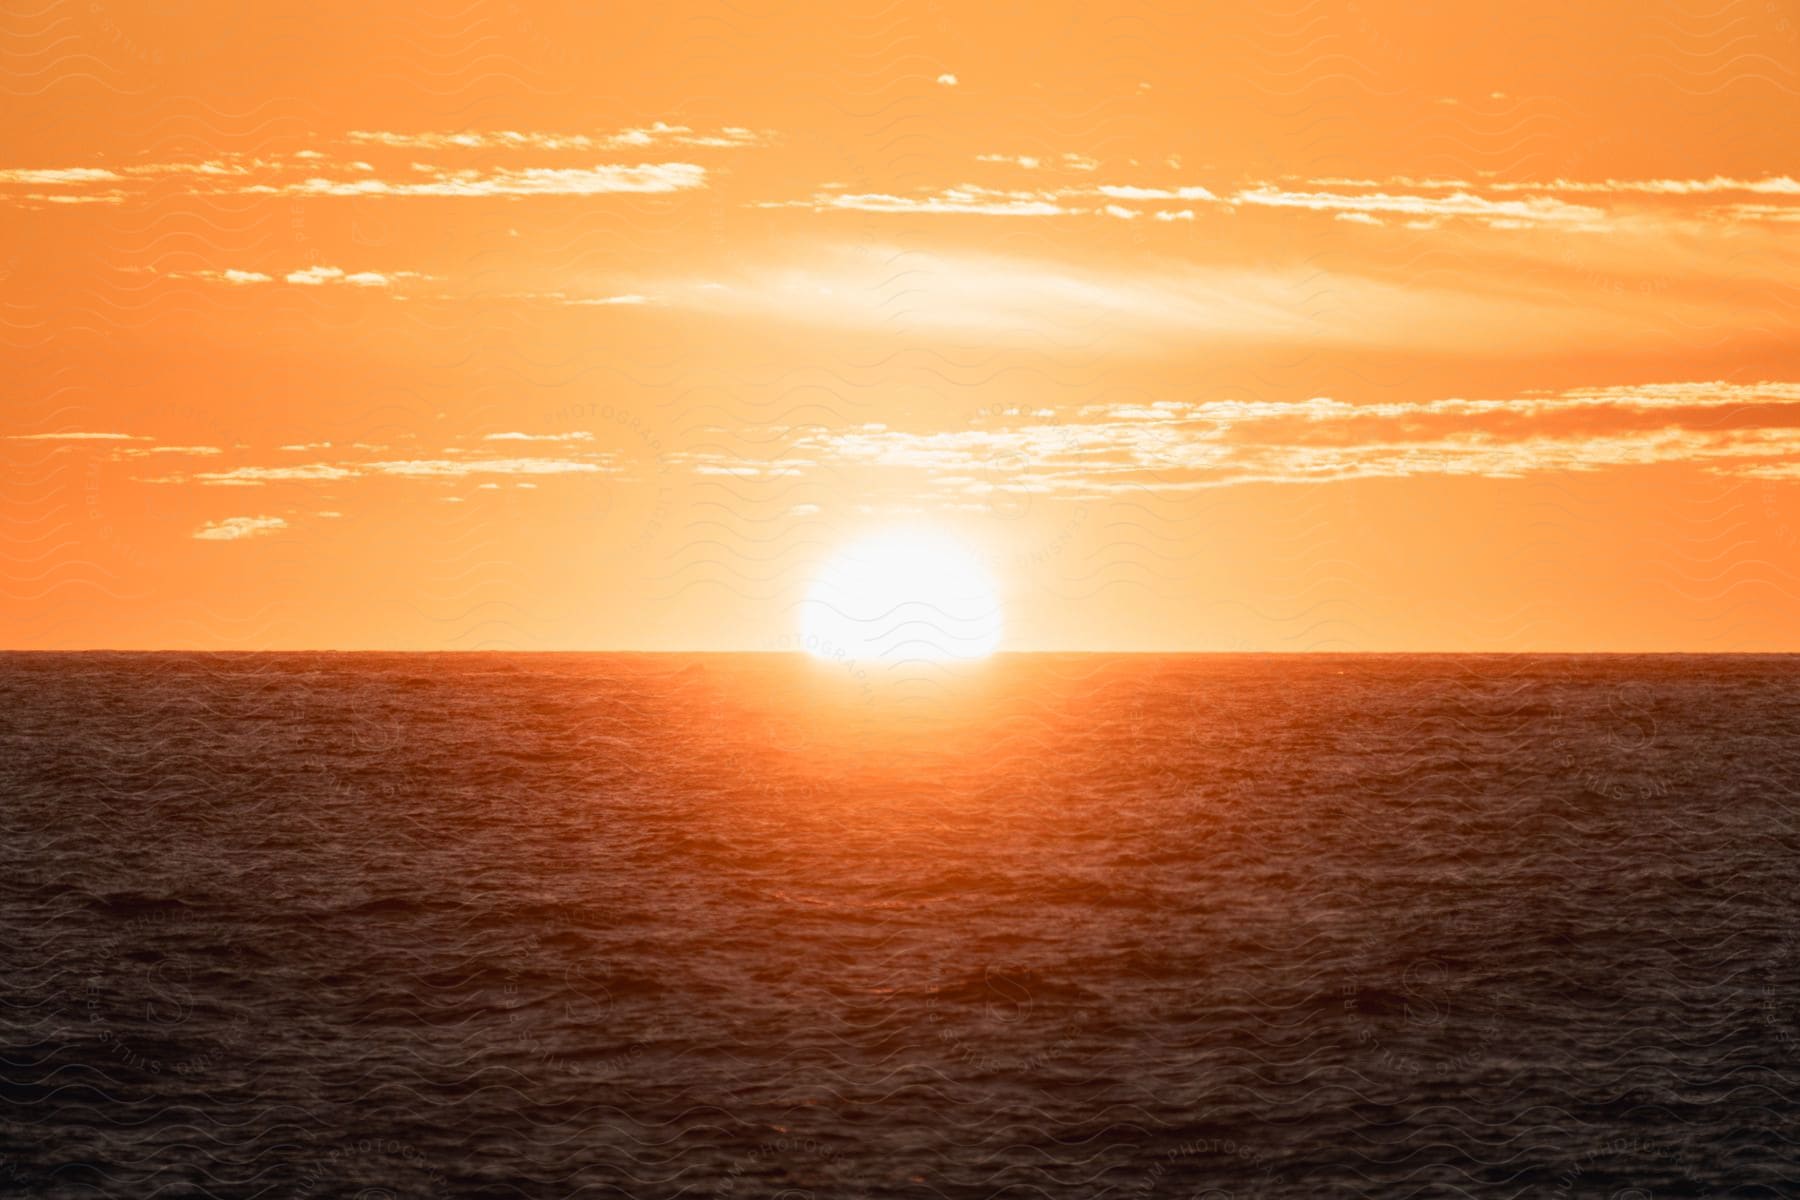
1748 430
320 275
600 180
444 468
964 199
256 476
318 174
38 176
1780 185
1160 306
657 133
235 529
628 298
1593 206
78 436
1122 201
1537 210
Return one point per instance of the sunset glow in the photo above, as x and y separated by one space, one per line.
598 329
1092 600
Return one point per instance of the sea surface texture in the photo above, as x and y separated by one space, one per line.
722 926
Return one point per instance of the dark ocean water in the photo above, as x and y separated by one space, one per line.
416 925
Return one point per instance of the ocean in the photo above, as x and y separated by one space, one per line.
1224 926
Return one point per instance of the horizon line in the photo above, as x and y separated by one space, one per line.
1173 653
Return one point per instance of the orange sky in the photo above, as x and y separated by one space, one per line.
1342 326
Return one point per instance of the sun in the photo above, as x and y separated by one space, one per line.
900 595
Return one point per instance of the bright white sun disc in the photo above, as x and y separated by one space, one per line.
901 595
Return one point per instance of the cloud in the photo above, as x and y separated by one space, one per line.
1535 210
78 437
122 445
1757 212
1032 162
967 198
1428 200
1111 200
443 468
1772 185
1162 306
1748 430
233 529
313 276
428 468
458 462
643 178
327 177
947 80
318 275
39 176
1777 185
39 199
1745 430
318 172
588 301
887 289
658 133
1643 202
252 476
977 199
1425 203
1128 192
